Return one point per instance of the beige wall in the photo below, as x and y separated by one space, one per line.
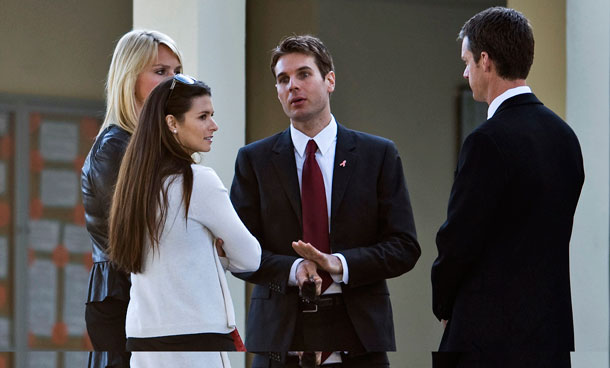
267 22
548 75
59 48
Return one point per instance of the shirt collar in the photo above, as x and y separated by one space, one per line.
493 106
323 139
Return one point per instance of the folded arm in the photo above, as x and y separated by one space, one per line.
241 249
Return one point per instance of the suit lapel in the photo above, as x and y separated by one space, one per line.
286 169
346 160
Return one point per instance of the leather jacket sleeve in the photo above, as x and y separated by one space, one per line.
98 179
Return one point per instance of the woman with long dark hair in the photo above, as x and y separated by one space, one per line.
166 213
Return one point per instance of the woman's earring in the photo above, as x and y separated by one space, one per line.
175 131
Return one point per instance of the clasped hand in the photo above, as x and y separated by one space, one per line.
314 260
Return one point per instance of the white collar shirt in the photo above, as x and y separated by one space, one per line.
326 140
493 106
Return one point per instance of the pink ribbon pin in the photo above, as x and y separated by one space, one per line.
342 164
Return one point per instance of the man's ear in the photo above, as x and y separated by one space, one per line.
486 62
172 124
330 80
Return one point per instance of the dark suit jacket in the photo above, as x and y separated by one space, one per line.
371 225
502 275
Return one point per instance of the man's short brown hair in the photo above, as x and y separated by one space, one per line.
304 44
507 37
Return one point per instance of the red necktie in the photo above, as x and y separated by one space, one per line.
313 202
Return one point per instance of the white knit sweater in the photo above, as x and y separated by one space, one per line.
183 288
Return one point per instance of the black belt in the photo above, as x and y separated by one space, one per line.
324 302
292 360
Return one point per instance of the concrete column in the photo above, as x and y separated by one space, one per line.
547 77
211 36
588 112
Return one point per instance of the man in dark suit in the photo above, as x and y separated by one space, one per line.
337 198
501 282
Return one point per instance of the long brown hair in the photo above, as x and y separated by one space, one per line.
139 205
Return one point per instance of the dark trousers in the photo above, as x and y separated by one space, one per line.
365 360
106 328
501 359
328 329
108 359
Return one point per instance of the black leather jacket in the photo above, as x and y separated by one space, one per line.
98 179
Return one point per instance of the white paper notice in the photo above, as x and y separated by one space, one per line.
5 331
76 359
42 359
3 257
3 175
44 235
76 239
58 141
42 294
76 279
3 123
59 188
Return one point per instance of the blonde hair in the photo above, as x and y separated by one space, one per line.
134 51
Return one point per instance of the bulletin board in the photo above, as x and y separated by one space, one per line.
45 248
54 359
7 152
6 360
59 247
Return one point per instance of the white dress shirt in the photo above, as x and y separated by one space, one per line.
325 156
493 106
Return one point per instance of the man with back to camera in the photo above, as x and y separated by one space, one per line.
338 199
501 282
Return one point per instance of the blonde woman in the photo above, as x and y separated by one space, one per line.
141 60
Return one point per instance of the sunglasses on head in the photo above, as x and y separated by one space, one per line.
182 79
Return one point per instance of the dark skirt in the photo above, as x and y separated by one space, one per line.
106 328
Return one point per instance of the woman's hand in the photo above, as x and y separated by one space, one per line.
218 243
